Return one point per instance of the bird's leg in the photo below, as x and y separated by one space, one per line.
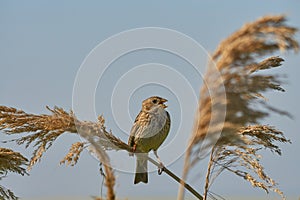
161 165
158 159
133 150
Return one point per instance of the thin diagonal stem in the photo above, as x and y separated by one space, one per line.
207 179
176 178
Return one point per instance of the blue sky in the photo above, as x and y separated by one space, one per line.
44 43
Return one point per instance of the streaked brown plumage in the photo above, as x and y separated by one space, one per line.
149 131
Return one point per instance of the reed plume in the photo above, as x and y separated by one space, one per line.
227 119
10 161
45 129
232 104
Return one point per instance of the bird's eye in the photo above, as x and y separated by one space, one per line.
154 101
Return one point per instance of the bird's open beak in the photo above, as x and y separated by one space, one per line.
163 101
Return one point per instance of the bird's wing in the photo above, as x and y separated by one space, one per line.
132 135
137 128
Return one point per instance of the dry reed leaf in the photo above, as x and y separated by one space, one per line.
237 136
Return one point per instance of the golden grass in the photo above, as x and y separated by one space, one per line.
239 136
233 120
10 161
47 128
74 153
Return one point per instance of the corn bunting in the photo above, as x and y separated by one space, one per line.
149 131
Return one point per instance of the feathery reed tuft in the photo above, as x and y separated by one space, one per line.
228 118
47 128
10 161
231 107
73 155
97 139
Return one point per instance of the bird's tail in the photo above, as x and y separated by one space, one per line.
141 172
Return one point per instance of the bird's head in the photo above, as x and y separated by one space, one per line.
154 103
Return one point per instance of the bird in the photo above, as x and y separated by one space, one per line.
150 129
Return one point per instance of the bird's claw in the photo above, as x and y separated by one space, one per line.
160 169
